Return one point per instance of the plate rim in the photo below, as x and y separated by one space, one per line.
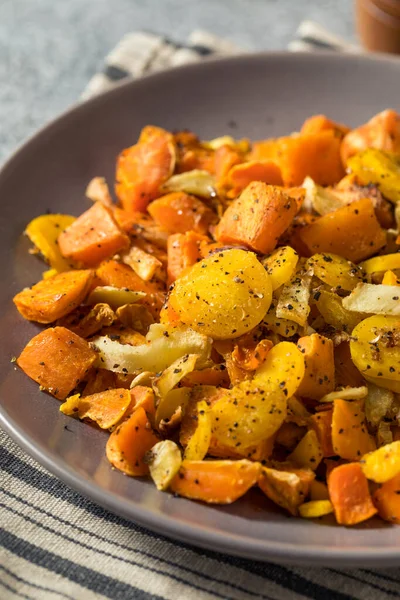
190 533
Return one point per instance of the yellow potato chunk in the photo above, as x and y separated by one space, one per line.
223 296
336 271
375 348
382 464
164 461
315 508
43 232
199 442
308 451
281 265
283 369
379 167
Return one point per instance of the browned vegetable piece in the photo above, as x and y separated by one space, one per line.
350 437
349 494
93 237
86 321
322 423
105 408
127 445
319 376
144 167
346 372
57 359
99 380
318 123
216 481
183 252
179 212
381 132
53 298
352 232
257 218
287 488
387 500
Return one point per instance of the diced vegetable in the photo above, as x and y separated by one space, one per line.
350 437
97 191
216 481
322 200
183 252
43 232
381 263
319 376
293 303
331 308
381 132
114 297
53 298
179 212
281 265
104 408
129 443
144 264
377 403
257 218
199 442
223 296
382 464
377 166
92 237
322 423
164 461
349 494
57 359
336 271
386 499
286 488
353 232
308 452
144 167
315 508
347 393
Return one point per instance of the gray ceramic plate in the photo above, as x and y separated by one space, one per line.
254 96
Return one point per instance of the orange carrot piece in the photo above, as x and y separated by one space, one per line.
352 232
346 372
116 274
350 437
127 445
144 167
387 500
217 481
288 488
319 376
179 212
257 218
225 158
349 494
241 175
93 237
318 123
183 252
142 396
217 376
99 380
381 132
57 359
54 298
191 155
265 150
322 423
316 155
105 408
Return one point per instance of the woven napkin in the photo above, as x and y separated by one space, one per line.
55 544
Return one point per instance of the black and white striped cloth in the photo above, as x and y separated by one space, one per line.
57 545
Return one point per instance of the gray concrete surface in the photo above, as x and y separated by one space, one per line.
50 48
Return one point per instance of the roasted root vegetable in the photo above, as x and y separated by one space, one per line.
92 237
257 218
349 494
233 318
54 298
129 443
58 360
215 481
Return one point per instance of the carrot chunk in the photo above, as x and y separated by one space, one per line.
349 494
217 481
93 237
127 445
57 359
183 252
319 376
144 167
318 123
54 298
179 212
352 232
257 218
381 132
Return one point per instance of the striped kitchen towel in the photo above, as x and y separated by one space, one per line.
57 545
